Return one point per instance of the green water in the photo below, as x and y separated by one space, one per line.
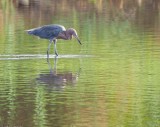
112 80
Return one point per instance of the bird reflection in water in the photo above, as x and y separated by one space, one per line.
58 81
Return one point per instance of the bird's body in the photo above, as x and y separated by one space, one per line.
54 32
47 31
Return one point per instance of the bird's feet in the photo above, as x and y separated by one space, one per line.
56 54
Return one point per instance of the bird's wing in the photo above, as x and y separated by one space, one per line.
47 31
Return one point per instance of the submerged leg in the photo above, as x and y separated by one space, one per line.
49 48
54 70
55 49
55 65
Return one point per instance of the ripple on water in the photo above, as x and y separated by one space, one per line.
39 56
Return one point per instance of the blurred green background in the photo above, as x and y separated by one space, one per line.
111 80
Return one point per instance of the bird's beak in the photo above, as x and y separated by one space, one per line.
78 39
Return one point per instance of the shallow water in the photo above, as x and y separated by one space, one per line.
111 80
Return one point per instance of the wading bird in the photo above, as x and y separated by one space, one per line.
54 32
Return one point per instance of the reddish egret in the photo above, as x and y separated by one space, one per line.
54 32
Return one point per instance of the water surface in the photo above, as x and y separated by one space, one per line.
112 80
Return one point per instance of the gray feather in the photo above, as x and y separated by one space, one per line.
47 31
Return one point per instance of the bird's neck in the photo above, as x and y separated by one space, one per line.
68 35
64 35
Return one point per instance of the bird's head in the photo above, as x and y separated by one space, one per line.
72 32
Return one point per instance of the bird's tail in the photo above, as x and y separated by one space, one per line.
29 31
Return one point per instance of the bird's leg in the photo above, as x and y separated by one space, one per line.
55 49
55 65
50 42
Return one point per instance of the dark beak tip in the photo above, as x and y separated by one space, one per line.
78 40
